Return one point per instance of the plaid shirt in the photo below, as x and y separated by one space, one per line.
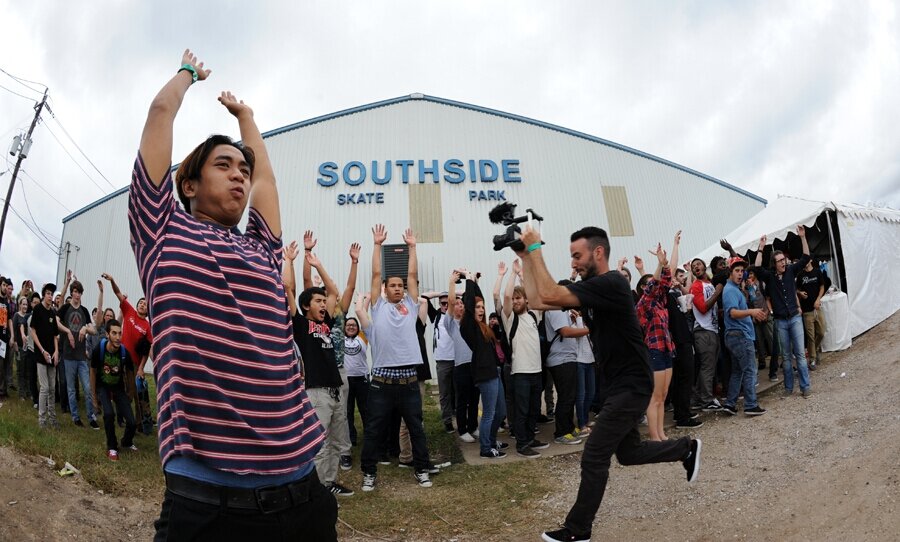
653 314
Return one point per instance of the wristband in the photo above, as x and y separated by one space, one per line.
193 72
532 248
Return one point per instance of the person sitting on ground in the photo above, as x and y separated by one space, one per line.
109 362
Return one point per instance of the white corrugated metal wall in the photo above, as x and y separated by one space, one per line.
561 173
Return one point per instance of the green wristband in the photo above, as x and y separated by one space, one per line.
532 248
193 72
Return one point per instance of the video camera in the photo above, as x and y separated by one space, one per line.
505 213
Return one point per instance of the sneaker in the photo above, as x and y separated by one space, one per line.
501 445
670 407
568 439
346 462
466 437
812 365
93 424
755 411
432 469
493 453
690 423
448 427
528 452
712 406
565 535
338 490
131 447
405 465
538 445
474 434
501 430
643 420
774 378
806 393
368 482
692 461
728 409
112 455
545 419
385 460
584 431
78 423
788 393
423 479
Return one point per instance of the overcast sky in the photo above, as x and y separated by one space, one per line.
796 98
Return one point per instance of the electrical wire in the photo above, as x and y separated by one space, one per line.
42 231
23 81
40 238
73 159
39 185
86 157
17 94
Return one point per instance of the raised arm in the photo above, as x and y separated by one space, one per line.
115 287
412 272
309 243
347 297
331 291
288 277
68 281
379 234
538 281
451 292
156 140
501 273
759 252
673 261
510 286
362 311
639 265
727 246
98 318
801 231
263 190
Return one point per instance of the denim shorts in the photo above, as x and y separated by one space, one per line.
659 360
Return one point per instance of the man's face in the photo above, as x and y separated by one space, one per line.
459 308
142 308
493 321
316 309
445 304
4 289
224 186
780 263
520 304
115 337
393 290
721 265
35 301
47 297
737 274
76 297
58 300
698 268
583 258
679 277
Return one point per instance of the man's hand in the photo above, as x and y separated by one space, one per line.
291 251
71 338
313 261
234 106
517 267
501 269
724 244
409 238
106 276
801 231
758 314
379 234
660 254
762 242
309 242
818 304
623 261
678 237
639 263
189 58
69 276
82 333
455 275
530 236
354 252
802 294
100 286
55 358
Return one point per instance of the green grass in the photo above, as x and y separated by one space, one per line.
488 500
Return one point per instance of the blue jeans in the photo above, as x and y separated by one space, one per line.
79 369
790 338
382 401
584 394
743 369
493 405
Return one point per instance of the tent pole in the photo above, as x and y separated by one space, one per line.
834 254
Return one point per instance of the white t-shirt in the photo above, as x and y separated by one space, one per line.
585 352
393 333
710 320
562 350
355 362
462 354
444 349
526 344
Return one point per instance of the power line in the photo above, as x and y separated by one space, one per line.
63 147
40 238
23 81
39 185
17 94
53 115
43 232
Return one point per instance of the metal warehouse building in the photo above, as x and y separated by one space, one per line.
439 166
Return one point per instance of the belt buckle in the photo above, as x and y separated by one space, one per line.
267 500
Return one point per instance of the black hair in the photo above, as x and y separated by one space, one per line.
564 282
34 295
595 237
642 282
389 277
111 324
306 296
714 262
49 287
190 168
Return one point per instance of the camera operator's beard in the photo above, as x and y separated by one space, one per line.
590 270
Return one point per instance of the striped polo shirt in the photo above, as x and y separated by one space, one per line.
229 390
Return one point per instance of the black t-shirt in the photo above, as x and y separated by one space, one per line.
19 321
43 322
74 319
619 349
317 349
423 370
810 282
679 327
111 368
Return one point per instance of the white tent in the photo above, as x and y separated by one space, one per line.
865 250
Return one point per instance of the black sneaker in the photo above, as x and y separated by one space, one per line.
93 424
728 409
448 427
430 469
690 423
538 445
501 445
528 452
338 490
755 411
692 461
545 419
78 423
423 479
712 406
385 460
493 453
346 462
565 535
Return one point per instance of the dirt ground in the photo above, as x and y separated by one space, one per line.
825 467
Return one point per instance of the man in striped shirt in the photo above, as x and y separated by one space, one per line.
237 433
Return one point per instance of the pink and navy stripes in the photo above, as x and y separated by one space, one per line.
228 385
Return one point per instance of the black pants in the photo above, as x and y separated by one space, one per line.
682 381
123 407
527 388
357 394
506 378
311 521
565 378
616 433
383 400
466 399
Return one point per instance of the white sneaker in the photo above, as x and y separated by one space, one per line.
475 433
423 479
368 482
466 437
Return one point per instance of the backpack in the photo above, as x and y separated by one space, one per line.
109 379
542 334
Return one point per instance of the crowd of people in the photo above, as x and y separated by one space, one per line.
259 381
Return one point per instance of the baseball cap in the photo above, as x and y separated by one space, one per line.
736 260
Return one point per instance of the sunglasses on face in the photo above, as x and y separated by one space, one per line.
444 303
780 260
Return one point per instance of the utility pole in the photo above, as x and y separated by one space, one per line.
22 149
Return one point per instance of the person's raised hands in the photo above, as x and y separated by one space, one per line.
233 105
291 251
379 234
409 238
354 252
309 242
191 60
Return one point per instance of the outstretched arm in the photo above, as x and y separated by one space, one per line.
362 311
98 318
156 140
331 291
412 272
801 231
759 252
288 277
727 246
379 235
501 273
538 281
115 288
263 190
673 262
351 280
510 286
309 243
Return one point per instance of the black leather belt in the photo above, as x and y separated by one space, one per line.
268 499
401 381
